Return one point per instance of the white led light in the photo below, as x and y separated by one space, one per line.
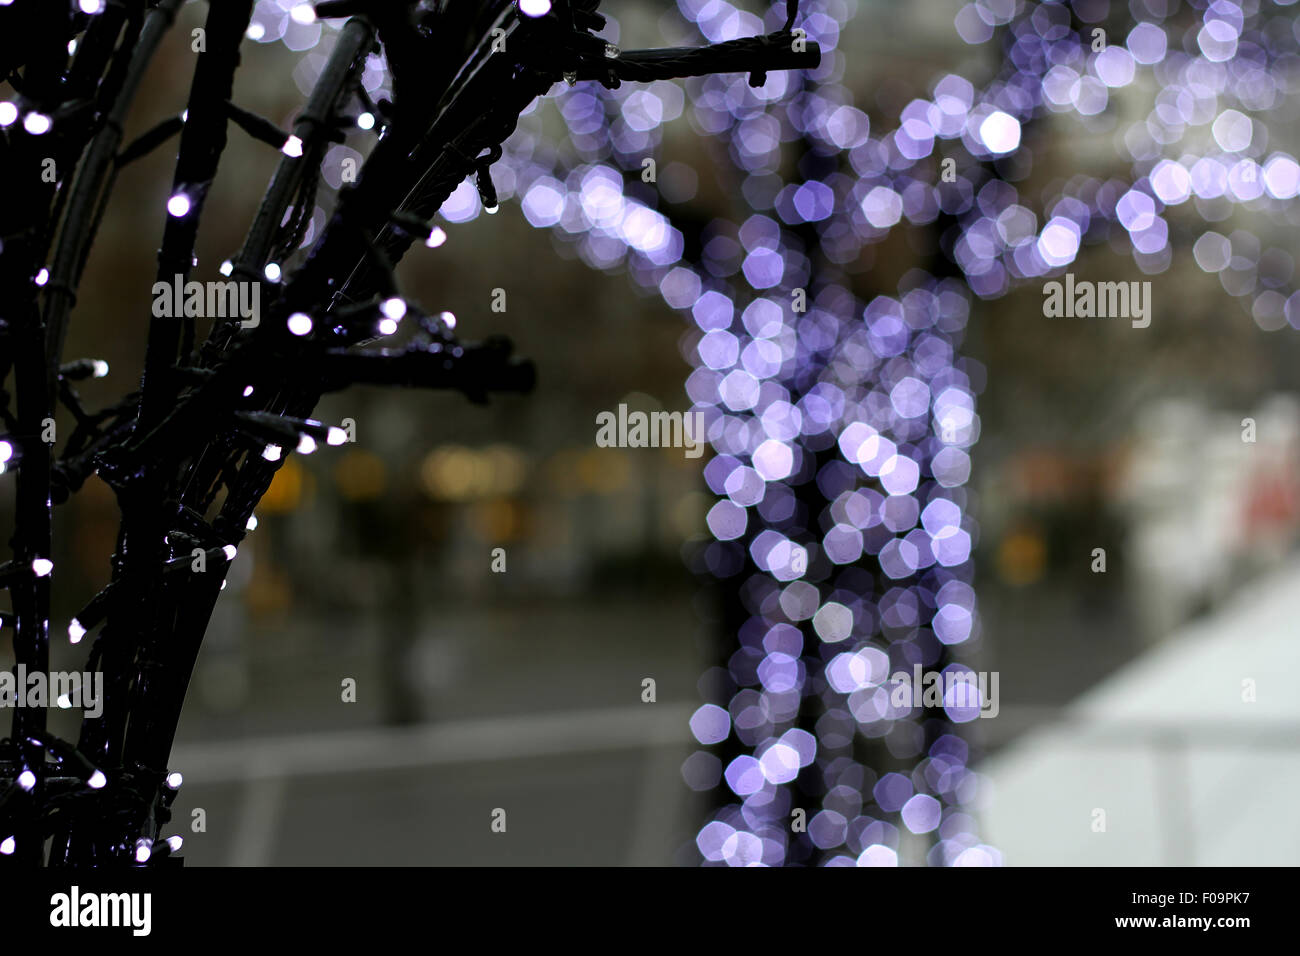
300 323
491 210
255 31
6 451
174 843
448 318
174 780
306 445
437 236
27 780
42 567
65 702
387 326
97 780
272 271
272 452
101 368
43 277
227 267
303 13
252 523
7 846
366 121
394 308
229 550
534 8
91 6
335 436
248 390
75 631
143 851
179 205
8 113
292 147
36 123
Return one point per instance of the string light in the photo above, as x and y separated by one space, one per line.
272 271
42 567
179 206
7 846
38 124
27 780
97 780
394 308
534 8
306 445
75 631
175 779
437 236
300 323
8 113
272 452
366 121
293 145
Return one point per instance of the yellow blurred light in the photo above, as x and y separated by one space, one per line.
286 491
604 470
1022 557
361 475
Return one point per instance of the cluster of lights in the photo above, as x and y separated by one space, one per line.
886 446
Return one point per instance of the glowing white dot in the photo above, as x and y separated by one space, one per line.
272 271
7 846
248 390
36 123
43 277
97 780
300 323
366 121
387 326
6 451
75 631
335 436
448 318
101 368
174 843
174 780
303 13
226 268
255 31
72 46
179 205
394 308
42 567
27 780
91 6
229 550
306 445
65 702
8 113
437 236
1000 132
534 8
185 116
223 584
271 452
143 851
292 147
491 210
252 523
